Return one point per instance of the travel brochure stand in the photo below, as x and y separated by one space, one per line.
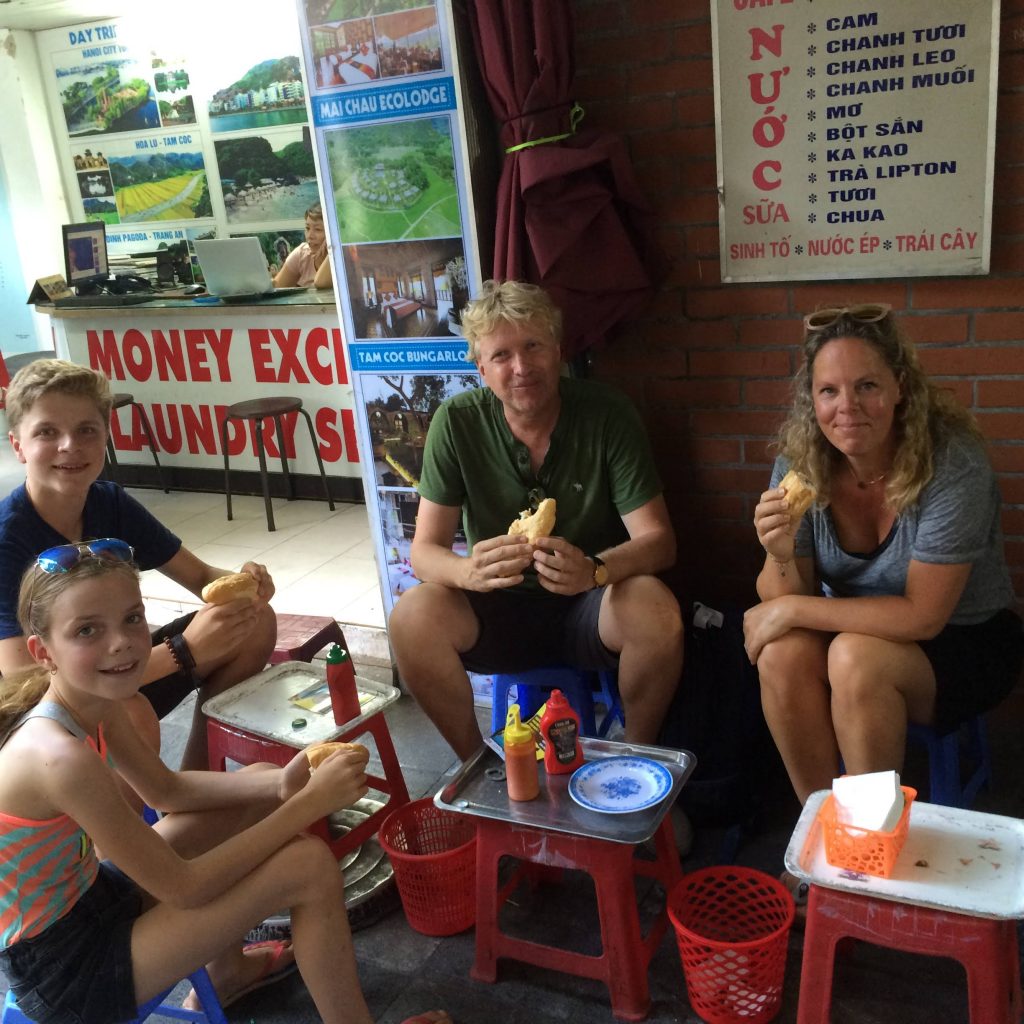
393 165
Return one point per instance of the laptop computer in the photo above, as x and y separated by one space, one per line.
235 269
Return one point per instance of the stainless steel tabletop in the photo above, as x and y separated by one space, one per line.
479 788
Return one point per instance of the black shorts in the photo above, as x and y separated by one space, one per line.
975 667
79 970
166 693
524 631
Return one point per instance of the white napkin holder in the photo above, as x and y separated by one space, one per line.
871 801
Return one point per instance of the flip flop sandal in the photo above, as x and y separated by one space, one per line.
273 970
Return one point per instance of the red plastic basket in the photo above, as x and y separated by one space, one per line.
433 853
732 925
861 849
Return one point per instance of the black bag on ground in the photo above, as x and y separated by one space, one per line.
716 714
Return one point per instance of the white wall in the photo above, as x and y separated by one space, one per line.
38 205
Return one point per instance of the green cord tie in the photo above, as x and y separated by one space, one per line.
576 115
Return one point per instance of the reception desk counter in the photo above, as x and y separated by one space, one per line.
185 360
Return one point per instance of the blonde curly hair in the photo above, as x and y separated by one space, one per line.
512 302
925 415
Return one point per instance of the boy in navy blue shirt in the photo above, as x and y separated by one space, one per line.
58 414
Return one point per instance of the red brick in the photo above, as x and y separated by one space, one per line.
807 298
772 332
928 328
702 240
972 359
737 301
999 326
961 390
1003 426
709 334
1013 522
698 174
1007 458
695 109
1006 394
692 207
694 394
691 40
651 115
970 293
772 393
712 451
749 363
761 452
719 507
738 423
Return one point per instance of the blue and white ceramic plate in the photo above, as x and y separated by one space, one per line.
619 785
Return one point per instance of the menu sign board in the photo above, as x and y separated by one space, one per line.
854 139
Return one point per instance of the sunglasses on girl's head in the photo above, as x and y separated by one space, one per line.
865 313
65 557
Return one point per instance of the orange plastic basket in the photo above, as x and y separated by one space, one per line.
433 852
861 849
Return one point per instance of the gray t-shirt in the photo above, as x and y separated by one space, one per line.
955 520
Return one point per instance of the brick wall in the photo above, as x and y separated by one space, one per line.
709 364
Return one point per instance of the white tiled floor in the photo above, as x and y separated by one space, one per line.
323 562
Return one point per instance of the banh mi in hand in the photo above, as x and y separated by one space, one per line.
319 752
536 525
799 493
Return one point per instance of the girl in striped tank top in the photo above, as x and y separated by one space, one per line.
84 941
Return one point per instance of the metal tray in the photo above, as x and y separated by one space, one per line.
962 861
262 704
479 788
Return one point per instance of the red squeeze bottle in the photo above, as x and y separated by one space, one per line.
341 682
560 727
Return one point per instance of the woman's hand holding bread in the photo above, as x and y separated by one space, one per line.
778 514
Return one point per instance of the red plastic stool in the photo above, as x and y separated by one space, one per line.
247 748
299 637
626 953
986 948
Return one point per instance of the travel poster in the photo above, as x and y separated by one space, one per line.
269 176
394 181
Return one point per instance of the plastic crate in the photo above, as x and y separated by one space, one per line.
862 849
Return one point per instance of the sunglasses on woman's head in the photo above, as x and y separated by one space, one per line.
865 313
64 557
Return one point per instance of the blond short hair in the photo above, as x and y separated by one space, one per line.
55 376
512 302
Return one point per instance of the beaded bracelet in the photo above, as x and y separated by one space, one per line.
781 563
182 655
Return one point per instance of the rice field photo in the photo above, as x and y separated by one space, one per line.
164 186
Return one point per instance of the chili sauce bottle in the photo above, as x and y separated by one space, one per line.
560 727
520 758
341 683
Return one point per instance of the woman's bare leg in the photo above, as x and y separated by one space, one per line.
877 686
795 699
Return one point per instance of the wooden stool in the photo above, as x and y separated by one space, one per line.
211 1012
121 399
259 410
986 948
299 637
625 955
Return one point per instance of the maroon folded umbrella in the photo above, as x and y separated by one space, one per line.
571 217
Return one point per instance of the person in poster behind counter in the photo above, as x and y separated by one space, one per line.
889 600
585 597
58 413
309 264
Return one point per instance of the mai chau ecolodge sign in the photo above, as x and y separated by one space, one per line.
854 139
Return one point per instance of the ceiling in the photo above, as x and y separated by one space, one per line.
36 15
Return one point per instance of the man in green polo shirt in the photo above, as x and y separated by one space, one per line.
585 597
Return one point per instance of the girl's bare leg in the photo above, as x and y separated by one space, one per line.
168 942
795 698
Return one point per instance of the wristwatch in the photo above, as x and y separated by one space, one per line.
600 571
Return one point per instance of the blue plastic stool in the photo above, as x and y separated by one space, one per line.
944 785
533 686
210 1014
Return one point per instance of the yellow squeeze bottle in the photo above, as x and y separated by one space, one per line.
520 758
